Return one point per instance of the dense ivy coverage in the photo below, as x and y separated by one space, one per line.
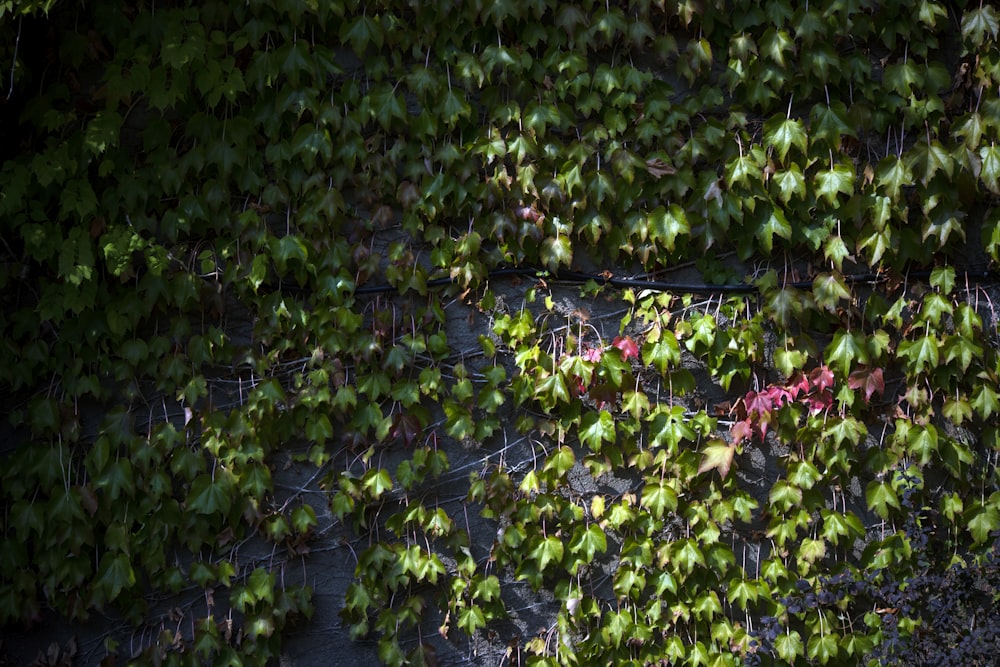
233 230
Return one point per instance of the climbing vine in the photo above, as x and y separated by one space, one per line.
241 238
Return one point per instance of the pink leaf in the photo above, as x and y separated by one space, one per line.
627 346
819 402
740 431
758 402
797 384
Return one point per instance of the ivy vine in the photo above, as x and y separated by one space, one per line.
238 236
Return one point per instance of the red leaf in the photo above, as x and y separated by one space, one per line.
797 384
603 394
593 354
627 346
407 427
778 396
740 431
819 402
758 402
869 380
821 377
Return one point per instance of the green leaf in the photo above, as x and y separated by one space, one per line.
454 107
838 180
663 353
115 574
784 496
789 646
990 171
892 175
829 122
596 428
922 353
547 550
665 225
782 133
823 647
829 289
361 32
880 496
978 23
304 518
658 497
981 520
587 541
560 461
556 252
471 619
687 555
969 128
784 306
776 224
846 349
102 131
791 183
742 592
210 496
985 401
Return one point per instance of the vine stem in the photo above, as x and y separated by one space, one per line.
13 61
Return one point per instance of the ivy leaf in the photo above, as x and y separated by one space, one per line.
556 251
930 158
829 183
791 183
892 175
880 496
869 380
115 574
665 225
829 289
990 171
547 550
454 107
102 132
718 455
969 128
846 348
687 555
596 429
663 353
210 496
659 498
922 353
978 23
588 541
784 306
776 224
985 401
783 133
789 646
361 32
835 251
552 390
823 647
560 461
981 520
627 346
829 122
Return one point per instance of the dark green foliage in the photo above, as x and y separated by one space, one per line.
232 230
